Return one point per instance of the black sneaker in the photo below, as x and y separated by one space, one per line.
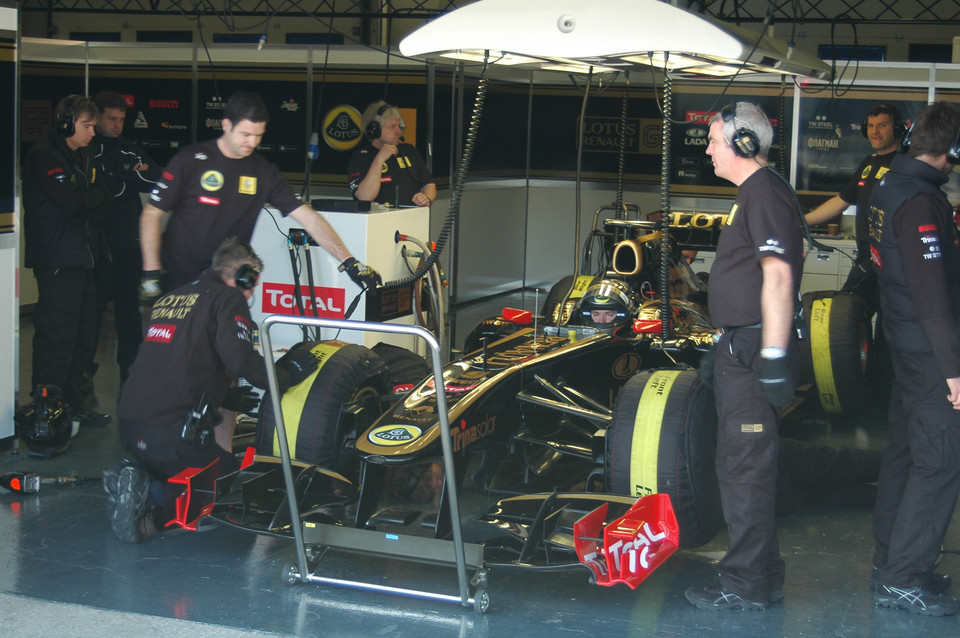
716 597
919 600
89 418
937 584
111 485
130 513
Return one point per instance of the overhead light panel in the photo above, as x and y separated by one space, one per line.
615 34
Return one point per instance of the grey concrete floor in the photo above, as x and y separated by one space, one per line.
62 573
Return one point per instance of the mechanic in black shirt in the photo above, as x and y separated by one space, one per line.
915 249
754 280
216 189
118 276
197 342
884 129
386 169
63 197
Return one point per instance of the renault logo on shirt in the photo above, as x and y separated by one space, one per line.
212 181
248 185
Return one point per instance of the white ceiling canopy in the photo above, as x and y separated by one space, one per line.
605 35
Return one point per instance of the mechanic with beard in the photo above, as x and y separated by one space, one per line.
63 196
216 189
387 170
198 340
757 268
915 248
118 277
884 129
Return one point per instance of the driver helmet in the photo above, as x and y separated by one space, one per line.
607 305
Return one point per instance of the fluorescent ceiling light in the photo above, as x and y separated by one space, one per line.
608 33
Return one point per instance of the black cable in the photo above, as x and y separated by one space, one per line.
462 169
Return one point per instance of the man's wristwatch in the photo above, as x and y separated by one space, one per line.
773 353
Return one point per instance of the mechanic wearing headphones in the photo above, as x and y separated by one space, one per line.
118 278
884 129
197 342
387 170
216 189
758 268
63 195
915 248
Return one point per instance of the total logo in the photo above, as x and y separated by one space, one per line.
279 299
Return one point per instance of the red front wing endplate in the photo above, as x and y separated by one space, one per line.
630 547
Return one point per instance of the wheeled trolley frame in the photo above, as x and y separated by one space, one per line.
399 546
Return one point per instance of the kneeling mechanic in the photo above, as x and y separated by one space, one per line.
198 342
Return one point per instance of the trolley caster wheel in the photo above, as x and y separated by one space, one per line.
313 552
290 574
481 601
479 579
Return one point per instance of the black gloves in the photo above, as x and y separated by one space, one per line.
150 285
241 399
363 276
776 381
705 369
295 366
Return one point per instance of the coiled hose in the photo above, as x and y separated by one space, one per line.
465 160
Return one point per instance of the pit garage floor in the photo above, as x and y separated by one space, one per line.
62 572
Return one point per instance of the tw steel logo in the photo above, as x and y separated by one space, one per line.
279 299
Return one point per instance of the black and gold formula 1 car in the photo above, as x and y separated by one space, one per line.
564 420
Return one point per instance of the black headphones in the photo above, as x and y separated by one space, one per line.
899 126
744 142
374 126
248 275
953 153
66 114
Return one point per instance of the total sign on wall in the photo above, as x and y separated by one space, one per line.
281 299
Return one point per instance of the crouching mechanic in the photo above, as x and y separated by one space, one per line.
198 341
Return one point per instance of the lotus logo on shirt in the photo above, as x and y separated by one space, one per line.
212 181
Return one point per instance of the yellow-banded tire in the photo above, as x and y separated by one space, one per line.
325 413
663 439
839 338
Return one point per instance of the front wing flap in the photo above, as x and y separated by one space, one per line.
630 547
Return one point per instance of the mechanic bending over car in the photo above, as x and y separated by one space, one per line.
198 341
386 169
915 248
215 190
758 267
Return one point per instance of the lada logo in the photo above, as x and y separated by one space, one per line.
392 435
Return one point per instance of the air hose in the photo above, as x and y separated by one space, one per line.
462 169
665 209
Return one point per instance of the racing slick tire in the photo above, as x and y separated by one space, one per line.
839 338
325 413
663 438
407 368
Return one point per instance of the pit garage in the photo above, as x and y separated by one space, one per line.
530 217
